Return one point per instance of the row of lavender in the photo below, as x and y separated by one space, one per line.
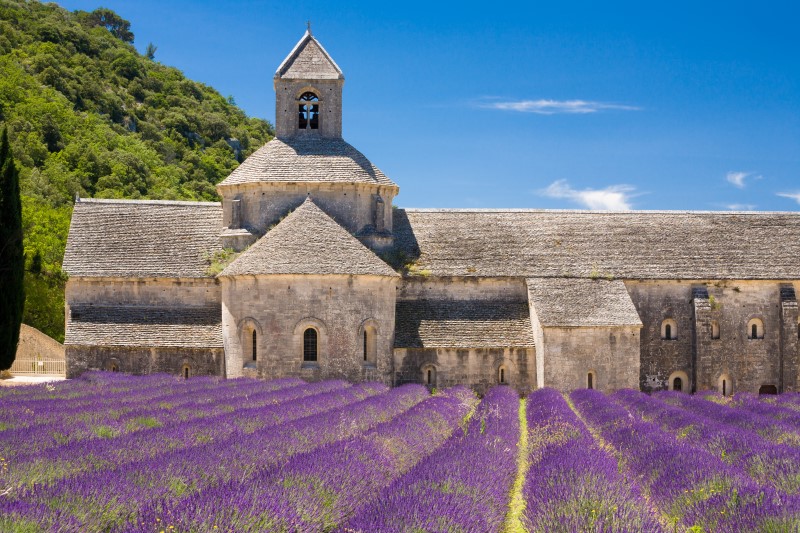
244 455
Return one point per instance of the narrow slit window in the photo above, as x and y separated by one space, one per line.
668 331
724 387
186 371
255 346
502 375
365 345
590 380
430 376
310 345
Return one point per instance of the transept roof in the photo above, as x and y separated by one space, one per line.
308 241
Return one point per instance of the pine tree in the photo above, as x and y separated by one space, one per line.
12 258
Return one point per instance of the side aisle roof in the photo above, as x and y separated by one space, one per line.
142 238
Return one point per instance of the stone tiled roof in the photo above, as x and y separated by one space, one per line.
128 238
308 60
462 324
307 159
188 327
308 241
626 245
574 302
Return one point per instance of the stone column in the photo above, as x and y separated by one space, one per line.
702 375
789 356
230 334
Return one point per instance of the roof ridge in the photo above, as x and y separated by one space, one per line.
591 211
307 36
146 202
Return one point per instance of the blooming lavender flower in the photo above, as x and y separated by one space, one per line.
767 463
690 486
325 486
573 484
462 486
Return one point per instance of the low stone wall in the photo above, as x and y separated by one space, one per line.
145 360
478 368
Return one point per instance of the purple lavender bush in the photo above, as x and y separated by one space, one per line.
463 486
573 483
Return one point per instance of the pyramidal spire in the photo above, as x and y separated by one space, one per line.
308 60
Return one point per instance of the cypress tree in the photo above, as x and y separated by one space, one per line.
12 258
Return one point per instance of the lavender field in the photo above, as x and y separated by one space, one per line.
117 453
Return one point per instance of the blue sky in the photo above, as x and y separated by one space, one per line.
604 105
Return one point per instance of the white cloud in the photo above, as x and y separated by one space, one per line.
552 107
792 195
741 207
737 179
614 197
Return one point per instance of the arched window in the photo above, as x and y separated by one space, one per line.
114 367
501 375
369 340
308 111
310 347
725 385
669 330
679 381
429 375
714 329
187 371
755 329
590 380
255 345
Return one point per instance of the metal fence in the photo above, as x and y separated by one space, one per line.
35 366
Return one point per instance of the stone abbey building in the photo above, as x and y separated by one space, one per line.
331 281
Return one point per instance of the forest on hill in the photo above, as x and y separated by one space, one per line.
90 116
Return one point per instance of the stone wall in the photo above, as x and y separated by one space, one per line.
280 307
33 344
462 288
745 363
568 355
330 103
478 368
144 360
167 292
264 204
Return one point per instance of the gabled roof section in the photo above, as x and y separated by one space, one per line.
565 302
307 159
628 245
462 324
308 60
308 241
142 238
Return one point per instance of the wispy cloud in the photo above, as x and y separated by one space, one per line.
553 107
614 197
741 207
737 179
792 195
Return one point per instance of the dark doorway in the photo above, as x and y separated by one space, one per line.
677 384
768 389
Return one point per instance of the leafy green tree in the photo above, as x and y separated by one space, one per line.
118 26
12 257
88 115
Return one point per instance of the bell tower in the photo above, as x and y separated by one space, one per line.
308 92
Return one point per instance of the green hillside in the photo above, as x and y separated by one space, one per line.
90 116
